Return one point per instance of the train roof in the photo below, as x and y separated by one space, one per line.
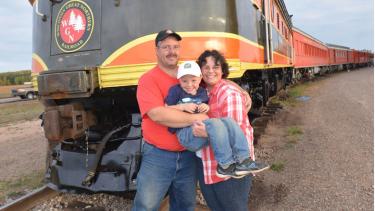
309 36
285 13
340 47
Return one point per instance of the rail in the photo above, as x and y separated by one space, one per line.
30 200
44 193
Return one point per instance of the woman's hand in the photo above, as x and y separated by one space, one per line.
203 108
199 129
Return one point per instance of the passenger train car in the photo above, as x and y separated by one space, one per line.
89 54
312 56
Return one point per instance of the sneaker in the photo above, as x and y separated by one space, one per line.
249 166
226 172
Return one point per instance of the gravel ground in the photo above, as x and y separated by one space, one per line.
328 167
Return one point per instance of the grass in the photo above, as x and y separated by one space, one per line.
278 166
17 187
298 90
289 98
294 131
294 134
20 111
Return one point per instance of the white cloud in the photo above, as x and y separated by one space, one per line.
15 36
344 22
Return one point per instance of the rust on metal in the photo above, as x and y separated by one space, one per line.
67 121
30 200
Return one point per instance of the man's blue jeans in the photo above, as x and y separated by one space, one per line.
165 172
227 140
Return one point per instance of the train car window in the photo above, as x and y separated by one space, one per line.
278 21
251 22
297 48
272 11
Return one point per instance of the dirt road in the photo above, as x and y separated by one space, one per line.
22 149
330 167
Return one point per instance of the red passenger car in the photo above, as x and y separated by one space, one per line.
338 56
310 53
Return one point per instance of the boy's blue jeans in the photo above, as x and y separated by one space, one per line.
225 136
165 172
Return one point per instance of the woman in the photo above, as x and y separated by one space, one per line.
226 100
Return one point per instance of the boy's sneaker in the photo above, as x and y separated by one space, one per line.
225 172
249 166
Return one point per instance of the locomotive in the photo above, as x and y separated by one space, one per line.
89 54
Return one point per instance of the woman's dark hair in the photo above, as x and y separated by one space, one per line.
219 60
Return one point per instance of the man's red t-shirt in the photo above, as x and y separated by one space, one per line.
152 89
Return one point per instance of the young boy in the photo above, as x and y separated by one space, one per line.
188 96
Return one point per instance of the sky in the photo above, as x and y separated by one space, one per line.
15 35
343 22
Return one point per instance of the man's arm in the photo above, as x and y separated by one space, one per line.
187 107
174 118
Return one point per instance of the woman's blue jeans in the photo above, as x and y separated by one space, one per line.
229 195
165 172
227 140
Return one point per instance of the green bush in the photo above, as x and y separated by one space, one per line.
15 78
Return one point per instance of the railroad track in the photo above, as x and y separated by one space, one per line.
30 200
12 100
260 121
44 193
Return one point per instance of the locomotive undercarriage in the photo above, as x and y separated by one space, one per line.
263 84
96 146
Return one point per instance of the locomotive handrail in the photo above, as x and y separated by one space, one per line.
44 16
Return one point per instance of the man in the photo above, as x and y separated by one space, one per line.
166 165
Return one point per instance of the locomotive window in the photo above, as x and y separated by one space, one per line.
179 15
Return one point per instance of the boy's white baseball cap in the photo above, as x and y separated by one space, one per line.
189 68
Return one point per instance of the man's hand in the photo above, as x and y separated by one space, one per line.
199 129
175 118
189 107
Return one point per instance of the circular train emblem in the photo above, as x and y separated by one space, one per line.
74 26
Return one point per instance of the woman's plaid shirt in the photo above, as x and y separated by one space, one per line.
225 101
